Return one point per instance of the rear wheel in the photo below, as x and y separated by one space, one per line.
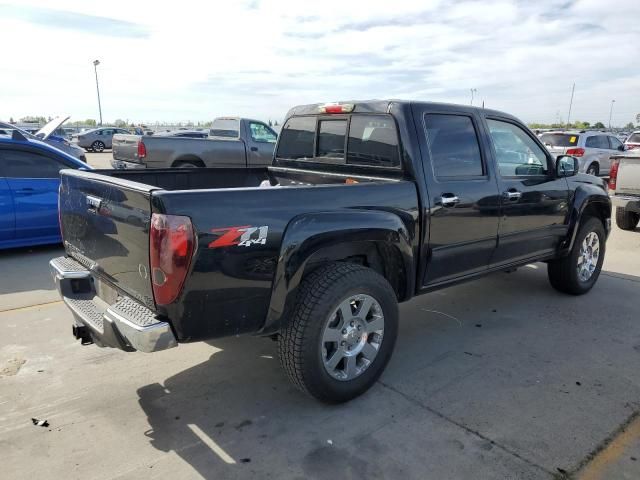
626 220
578 272
97 146
341 332
593 169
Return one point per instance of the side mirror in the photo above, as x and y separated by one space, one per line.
622 148
567 166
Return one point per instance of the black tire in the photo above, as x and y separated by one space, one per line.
626 220
563 272
300 340
593 169
97 146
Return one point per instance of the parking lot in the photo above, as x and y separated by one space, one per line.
500 378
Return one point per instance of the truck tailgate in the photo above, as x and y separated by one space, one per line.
105 224
125 147
628 182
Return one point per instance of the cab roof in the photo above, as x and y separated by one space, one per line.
386 106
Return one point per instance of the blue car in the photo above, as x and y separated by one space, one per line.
29 181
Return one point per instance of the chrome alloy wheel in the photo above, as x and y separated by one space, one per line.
588 256
352 337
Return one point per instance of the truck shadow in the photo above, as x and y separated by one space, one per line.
466 352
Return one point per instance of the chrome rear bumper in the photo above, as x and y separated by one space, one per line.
125 324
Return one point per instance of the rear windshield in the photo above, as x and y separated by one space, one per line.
634 138
225 127
372 140
559 139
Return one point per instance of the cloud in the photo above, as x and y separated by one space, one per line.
259 58
87 24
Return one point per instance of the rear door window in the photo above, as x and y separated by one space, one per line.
296 138
21 164
331 136
453 145
373 140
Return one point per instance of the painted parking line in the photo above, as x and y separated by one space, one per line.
31 307
596 469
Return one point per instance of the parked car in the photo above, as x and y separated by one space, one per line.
380 201
231 142
593 149
624 188
633 141
46 134
29 181
98 139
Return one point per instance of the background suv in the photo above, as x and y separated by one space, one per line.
593 149
633 141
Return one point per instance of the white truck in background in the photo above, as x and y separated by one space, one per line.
624 188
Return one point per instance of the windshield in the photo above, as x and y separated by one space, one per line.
634 138
559 139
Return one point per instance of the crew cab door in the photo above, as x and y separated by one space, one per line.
261 140
463 194
535 203
33 179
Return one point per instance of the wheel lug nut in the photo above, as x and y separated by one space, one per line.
359 328
344 331
343 343
352 324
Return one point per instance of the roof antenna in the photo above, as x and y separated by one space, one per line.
482 103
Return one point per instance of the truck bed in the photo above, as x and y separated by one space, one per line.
106 217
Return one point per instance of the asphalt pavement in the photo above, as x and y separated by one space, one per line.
499 378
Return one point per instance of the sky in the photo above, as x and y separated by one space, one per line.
193 61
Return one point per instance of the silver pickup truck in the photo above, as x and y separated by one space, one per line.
624 188
231 142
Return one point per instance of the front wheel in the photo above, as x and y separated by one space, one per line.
341 332
578 272
97 146
626 220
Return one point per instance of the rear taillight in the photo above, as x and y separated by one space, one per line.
613 174
171 246
142 150
576 152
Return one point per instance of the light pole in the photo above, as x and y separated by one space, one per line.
95 68
611 112
473 91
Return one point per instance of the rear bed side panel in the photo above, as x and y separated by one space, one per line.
229 289
105 224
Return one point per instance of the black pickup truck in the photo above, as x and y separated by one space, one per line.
366 204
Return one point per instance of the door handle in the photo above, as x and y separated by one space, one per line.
254 149
512 195
449 200
26 191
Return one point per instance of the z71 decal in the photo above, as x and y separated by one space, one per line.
244 236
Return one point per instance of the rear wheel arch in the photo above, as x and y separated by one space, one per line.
188 159
596 165
375 239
